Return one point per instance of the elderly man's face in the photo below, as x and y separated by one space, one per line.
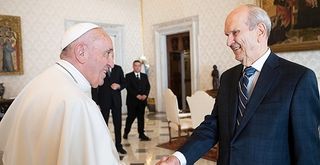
241 40
100 59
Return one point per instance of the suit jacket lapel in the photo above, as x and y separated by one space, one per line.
233 96
266 79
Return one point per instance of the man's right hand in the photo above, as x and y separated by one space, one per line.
168 160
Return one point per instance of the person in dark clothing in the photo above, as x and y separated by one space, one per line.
108 97
138 89
267 110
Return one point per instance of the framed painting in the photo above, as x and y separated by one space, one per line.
295 24
10 45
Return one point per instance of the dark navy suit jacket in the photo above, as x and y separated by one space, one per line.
104 95
281 125
136 87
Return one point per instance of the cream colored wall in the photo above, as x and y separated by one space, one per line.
212 41
43 24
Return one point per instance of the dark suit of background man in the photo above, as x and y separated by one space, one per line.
138 88
108 97
279 121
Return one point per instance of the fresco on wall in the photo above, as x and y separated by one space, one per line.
10 45
295 24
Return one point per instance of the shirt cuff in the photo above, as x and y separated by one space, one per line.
181 157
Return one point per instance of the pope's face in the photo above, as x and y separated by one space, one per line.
100 60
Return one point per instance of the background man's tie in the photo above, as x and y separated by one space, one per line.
243 92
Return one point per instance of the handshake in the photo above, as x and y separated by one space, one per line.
168 160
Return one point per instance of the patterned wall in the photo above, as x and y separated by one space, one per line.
43 24
212 41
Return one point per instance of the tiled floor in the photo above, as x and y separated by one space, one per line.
146 153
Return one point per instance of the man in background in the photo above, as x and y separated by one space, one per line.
108 97
267 110
138 88
54 120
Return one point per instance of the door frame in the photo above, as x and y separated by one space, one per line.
189 24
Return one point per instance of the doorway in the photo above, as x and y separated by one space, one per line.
161 31
178 64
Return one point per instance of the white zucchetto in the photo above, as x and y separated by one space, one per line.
74 32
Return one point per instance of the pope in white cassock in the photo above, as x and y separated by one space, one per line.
54 121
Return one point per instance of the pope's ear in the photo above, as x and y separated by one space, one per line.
80 52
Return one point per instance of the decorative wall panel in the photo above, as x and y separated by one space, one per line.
212 41
42 24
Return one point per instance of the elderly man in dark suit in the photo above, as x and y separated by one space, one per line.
138 89
108 97
267 110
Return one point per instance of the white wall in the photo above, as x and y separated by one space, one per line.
42 24
212 41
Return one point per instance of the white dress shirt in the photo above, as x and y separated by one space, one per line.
137 74
252 83
258 66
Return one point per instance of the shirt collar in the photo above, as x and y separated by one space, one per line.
80 80
260 62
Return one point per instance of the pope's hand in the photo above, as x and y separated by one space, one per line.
168 160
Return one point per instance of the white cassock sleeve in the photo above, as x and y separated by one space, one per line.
85 138
50 125
69 133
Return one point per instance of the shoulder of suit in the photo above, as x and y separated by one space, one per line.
130 73
117 66
234 70
291 66
143 74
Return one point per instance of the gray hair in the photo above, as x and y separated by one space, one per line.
256 16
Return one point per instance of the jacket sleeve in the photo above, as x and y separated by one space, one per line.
203 138
147 91
304 120
122 80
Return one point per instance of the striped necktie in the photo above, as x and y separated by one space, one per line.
243 92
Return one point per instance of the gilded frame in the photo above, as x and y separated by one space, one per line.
295 36
11 61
